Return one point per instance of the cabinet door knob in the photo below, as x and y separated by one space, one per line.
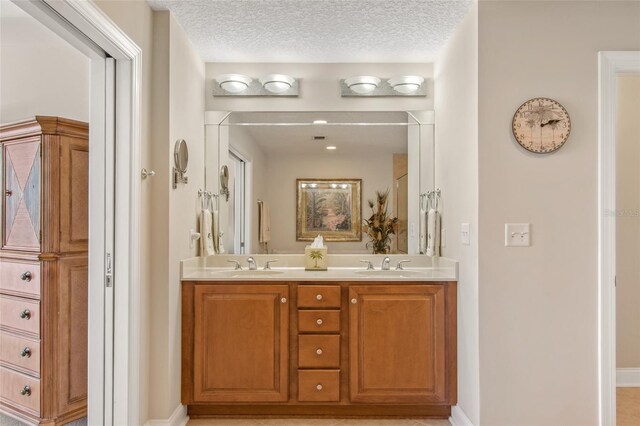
26 276
318 297
354 301
283 300
26 352
8 193
319 386
26 390
319 351
319 321
26 314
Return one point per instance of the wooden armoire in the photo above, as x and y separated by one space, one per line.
44 270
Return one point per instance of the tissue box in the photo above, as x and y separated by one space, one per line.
315 259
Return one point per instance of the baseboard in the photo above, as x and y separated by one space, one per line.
178 418
628 377
458 417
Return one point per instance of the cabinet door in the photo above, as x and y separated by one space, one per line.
21 219
397 344
241 343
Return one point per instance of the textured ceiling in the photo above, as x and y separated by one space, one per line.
317 30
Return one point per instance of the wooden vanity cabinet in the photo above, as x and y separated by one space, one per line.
347 349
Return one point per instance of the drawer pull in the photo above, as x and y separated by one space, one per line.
319 351
26 276
354 301
319 386
26 352
26 390
319 321
283 300
318 297
26 314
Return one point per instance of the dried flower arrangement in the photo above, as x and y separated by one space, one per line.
379 227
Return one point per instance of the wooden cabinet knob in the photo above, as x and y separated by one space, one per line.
319 351
283 300
319 297
319 321
354 301
319 386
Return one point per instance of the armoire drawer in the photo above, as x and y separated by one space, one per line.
20 389
20 278
20 353
20 315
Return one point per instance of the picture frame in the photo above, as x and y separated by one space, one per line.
331 208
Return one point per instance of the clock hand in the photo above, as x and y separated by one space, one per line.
550 122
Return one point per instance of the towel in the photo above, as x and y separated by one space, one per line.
217 241
433 233
206 234
264 223
423 231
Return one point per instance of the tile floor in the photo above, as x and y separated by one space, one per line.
317 422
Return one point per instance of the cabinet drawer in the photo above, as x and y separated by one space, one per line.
319 321
21 315
319 296
14 384
319 385
20 278
20 353
316 351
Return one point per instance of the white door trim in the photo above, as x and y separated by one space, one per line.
610 64
69 18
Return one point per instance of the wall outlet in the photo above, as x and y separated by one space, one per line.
517 234
443 238
465 234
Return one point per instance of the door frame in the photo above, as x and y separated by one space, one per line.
88 28
610 65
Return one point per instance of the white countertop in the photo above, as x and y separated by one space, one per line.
340 268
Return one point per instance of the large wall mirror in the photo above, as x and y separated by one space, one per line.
268 154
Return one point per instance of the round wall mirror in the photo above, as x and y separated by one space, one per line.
181 155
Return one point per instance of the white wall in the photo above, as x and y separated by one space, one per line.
539 305
40 73
376 172
628 222
456 153
319 87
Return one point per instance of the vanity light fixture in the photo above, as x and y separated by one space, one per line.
334 185
234 83
331 147
406 83
277 83
362 84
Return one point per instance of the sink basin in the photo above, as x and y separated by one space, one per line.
391 273
247 274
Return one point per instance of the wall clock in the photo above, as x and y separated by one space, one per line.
541 125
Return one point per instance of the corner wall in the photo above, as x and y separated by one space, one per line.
539 304
456 160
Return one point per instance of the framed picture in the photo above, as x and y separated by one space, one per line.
329 207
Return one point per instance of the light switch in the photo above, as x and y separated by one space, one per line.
517 234
465 234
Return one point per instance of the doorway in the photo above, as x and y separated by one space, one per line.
114 234
611 66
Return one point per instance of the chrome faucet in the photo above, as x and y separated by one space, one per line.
385 263
369 265
252 264
237 266
267 264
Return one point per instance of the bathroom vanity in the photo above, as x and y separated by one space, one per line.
346 342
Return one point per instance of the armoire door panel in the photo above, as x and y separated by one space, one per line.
74 195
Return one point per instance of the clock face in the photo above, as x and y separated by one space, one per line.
541 125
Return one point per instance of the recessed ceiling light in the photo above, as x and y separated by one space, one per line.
331 147
319 121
